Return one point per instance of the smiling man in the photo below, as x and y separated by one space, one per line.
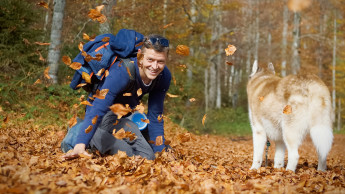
152 77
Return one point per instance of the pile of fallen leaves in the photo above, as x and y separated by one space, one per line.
31 162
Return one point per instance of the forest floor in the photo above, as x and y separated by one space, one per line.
31 163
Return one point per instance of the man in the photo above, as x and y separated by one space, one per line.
152 77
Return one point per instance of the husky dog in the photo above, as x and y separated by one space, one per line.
285 110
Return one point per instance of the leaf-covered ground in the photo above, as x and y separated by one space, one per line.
31 163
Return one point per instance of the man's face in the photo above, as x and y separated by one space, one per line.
152 64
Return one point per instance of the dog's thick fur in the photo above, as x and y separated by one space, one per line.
311 112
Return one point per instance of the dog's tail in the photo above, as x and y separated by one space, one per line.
322 137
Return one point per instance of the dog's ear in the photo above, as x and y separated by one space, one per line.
271 68
254 68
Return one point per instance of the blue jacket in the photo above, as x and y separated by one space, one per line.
117 81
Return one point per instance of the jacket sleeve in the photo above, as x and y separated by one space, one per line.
155 109
117 81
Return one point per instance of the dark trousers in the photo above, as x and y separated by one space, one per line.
106 143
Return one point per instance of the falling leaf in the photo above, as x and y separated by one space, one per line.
41 58
75 65
101 93
140 108
82 98
86 103
192 100
172 95
106 73
120 134
43 4
88 129
229 63
81 46
86 77
287 110
91 98
139 92
38 81
261 98
98 57
116 122
83 53
230 50
131 135
86 37
99 73
42 43
145 121
72 121
203 120
127 94
88 58
94 120
95 14
298 5
120 110
106 39
168 25
81 85
67 60
129 72
46 73
159 140
182 50
160 118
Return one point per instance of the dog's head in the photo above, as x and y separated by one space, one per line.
262 70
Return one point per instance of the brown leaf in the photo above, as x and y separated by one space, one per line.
287 110
159 140
101 94
95 14
86 103
229 63
145 121
116 122
82 98
86 77
94 120
43 4
46 73
106 39
167 142
88 129
67 60
203 120
83 53
139 92
120 134
230 50
88 58
6 119
75 65
72 121
182 50
98 57
86 37
106 73
172 95
120 110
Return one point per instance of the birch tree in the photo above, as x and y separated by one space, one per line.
55 39
106 26
284 38
295 63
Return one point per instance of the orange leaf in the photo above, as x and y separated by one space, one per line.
172 95
120 134
120 110
91 98
129 73
287 110
72 121
88 129
127 94
182 50
46 73
230 50
80 46
159 140
86 103
95 14
168 25
81 85
43 4
99 73
38 81
140 108
139 92
86 77
106 73
6 119
82 98
116 122
86 37
203 120
94 120
160 118
67 60
145 121
43 43
106 39
75 65
83 53
101 94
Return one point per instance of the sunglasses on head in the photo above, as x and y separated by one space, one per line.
162 41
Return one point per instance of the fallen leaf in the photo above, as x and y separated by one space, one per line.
159 140
167 142
139 92
94 120
46 73
6 119
203 120
85 156
230 50
72 121
182 50
86 77
120 110
287 110
88 129
172 95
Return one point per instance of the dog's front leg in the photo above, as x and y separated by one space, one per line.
259 140
279 154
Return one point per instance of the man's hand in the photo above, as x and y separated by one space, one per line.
79 149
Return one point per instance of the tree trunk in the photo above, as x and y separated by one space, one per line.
105 27
295 64
334 61
257 32
249 32
339 115
284 38
55 39
206 90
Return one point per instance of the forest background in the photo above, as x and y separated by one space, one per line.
307 37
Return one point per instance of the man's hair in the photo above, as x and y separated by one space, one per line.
156 46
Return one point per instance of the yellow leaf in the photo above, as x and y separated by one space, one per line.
230 50
86 77
88 129
120 134
159 140
182 50
101 94
203 120
140 108
94 120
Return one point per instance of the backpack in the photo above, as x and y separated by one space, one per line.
104 51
